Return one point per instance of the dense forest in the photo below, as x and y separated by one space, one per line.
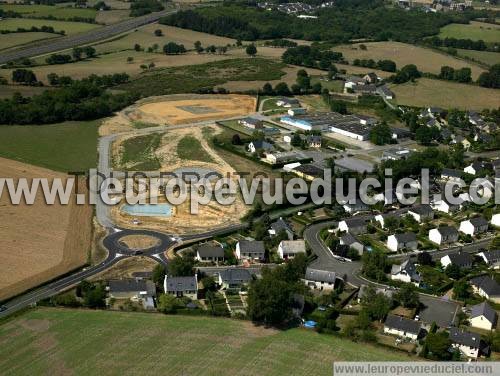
347 20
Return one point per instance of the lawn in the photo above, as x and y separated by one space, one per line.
446 94
44 341
475 30
193 78
402 54
18 39
69 27
57 12
189 148
486 57
138 153
336 86
69 146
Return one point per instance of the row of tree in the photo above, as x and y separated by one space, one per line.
311 56
385 65
466 44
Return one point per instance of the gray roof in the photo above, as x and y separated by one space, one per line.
293 246
260 144
251 120
175 284
478 221
354 164
349 239
131 285
207 250
252 246
487 284
447 230
355 222
320 275
409 267
492 256
406 237
465 338
451 172
235 275
484 309
403 324
421 209
280 225
385 291
311 170
461 259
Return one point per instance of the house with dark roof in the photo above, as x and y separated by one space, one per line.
308 172
476 166
251 123
371 78
491 258
319 279
421 212
474 226
461 259
486 287
402 327
181 286
280 226
133 289
351 241
385 92
451 174
468 343
407 241
355 207
388 292
250 249
443 235
381 218
259 145
287 102
483 316
406 272
353 225
233 278
209 253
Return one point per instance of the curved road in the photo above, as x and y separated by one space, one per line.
84 38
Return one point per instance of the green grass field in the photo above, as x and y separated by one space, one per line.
336 86
189 148
70 146
474 30
51 341
191 78
138 153
68 27
485 57
18 39
58 12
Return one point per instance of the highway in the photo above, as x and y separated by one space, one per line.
88 37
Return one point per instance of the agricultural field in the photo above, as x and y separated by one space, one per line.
485 57
70 146
145 37
69 27
48 340
39 241
58 12
111 16
446 94
402 54
18 39
489 33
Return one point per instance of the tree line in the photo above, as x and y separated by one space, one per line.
142 7
312 56
465 44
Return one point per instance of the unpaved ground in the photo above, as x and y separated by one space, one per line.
126 268
139 241
39 242
210 216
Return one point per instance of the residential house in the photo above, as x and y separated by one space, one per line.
495 220
251 123
461 259
352 81
181 286
319 279
451 174
296 111
313 141
137 290
433 112
421 213
259 145
486 287
356 207
491 258
386 291
476 166
385 92
371 78
396 154
283 157
443 235
209 253
233 278
352 242
287 249
402 327
287 102
354 225
381 218
281 226
468 343
474 226
250 249
406 272
400 133
308 172
483 316
406 241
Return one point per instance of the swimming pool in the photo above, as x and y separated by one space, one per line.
148 210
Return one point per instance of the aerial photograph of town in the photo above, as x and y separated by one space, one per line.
250 187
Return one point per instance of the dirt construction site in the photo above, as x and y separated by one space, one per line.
180 109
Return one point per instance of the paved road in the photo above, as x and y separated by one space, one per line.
84 38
